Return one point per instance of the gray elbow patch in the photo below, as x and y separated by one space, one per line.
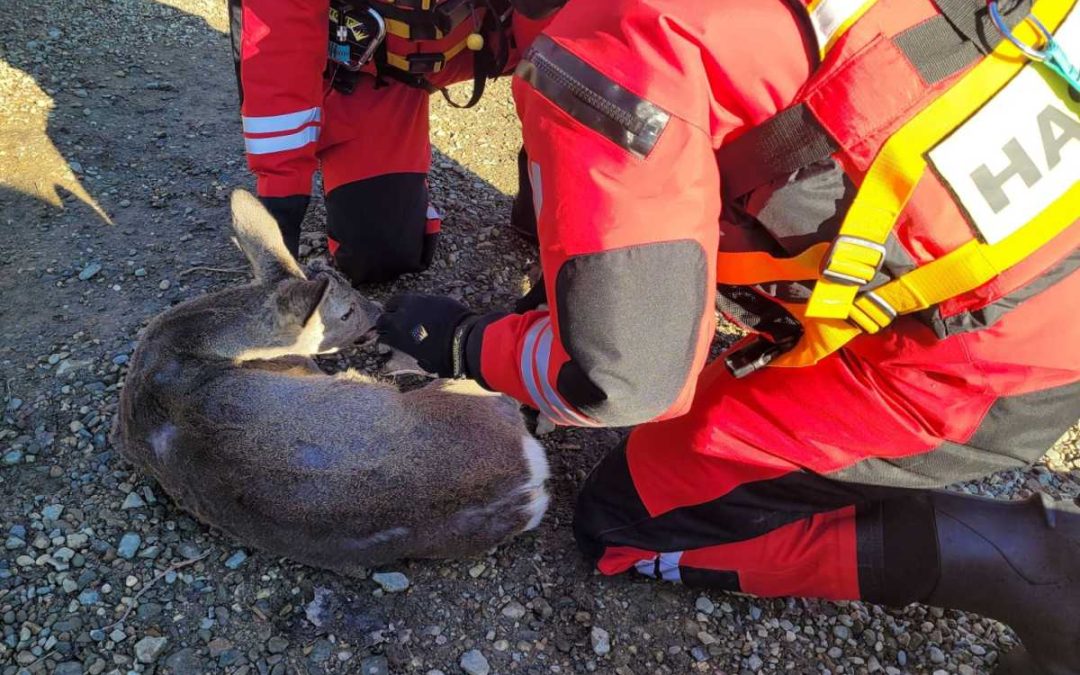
629 320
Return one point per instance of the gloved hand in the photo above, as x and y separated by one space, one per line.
433 329
289 214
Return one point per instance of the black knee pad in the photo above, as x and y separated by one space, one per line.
380 227
607 503
522 213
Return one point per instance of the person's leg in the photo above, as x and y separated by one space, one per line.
752 491
375 157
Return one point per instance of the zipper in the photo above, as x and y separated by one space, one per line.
584 94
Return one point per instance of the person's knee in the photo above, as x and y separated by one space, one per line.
608 506
378 227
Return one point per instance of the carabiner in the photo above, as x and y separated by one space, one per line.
1032 52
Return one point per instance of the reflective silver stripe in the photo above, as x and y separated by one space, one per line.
647 567
669 566
272 124
543 360
537 183
432 214
832 18
528 375
264 146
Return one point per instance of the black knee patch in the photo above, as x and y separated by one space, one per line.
523 214
608 502
380 225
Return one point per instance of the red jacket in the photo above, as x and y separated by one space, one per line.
625 107
628 197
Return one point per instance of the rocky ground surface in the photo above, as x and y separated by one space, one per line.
119 144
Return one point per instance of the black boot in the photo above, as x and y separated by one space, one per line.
1019 563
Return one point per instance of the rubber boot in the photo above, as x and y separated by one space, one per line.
1019 563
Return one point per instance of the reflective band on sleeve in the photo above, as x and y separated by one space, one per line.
528 374
543 361
272 124
832 18
432 214
264 146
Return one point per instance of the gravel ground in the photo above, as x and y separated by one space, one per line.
119 143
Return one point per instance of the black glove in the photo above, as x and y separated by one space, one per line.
433 329
289 214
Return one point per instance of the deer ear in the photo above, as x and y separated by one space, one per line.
259 238
298 301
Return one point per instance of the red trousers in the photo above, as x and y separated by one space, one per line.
375 153
812 481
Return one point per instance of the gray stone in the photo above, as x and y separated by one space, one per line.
277 644
90 271
148 649
936 655
391 582
474 663
89 597
754 663
601 641
704 605
841 631
185 662
374 665
321 651
128 546
68 668
236 559
133 501
513 610
12 457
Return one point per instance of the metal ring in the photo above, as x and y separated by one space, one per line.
1028 50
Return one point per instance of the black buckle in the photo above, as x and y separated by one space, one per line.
754 353
421 64
450 14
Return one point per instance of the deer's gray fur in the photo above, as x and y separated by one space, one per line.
224 407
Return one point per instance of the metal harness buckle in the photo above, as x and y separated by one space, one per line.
848 279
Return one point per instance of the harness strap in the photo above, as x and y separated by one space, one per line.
794 138
781 146
859 250
971 18
751 268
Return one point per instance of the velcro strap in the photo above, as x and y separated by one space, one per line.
777 148
971 18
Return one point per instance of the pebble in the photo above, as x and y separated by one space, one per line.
374 665
513 610
149 648
12 457
936 655
52 512
474 663
90 271
236 559
141 272
164 285
391 582
277 644
754 663
704 605
601 641
89 597
128 546
133 501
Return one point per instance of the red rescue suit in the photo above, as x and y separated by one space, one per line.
371 144
791 480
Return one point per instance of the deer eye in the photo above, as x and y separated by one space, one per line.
346 315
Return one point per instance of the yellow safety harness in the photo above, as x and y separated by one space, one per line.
840 307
